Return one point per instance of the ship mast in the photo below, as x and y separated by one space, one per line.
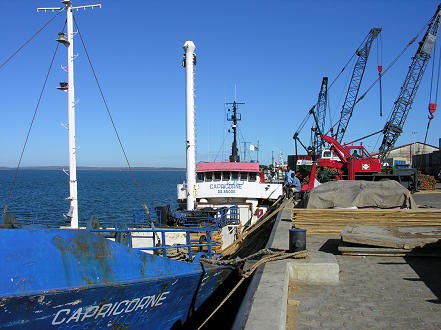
234 117
73 196
188 63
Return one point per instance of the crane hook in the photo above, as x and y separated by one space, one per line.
432 109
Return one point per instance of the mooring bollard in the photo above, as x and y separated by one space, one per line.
297 239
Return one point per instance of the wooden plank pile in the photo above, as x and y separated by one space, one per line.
216 236
332 221
427 182
390 241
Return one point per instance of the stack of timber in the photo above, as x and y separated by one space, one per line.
332 221
201 237
390 241
427 182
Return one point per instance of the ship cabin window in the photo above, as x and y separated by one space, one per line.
200 177
217 176
244 176
252 176
225 176
234 175
208 176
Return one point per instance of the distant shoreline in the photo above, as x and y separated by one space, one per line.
85 168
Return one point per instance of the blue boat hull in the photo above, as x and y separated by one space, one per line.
47 282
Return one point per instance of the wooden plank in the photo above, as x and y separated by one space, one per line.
393 237
332 221
387 252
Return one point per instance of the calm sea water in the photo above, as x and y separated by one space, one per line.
109 195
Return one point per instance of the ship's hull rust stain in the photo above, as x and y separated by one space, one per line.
83 280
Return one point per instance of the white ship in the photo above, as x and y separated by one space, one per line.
213 185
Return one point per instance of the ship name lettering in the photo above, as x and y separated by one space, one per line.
225 186
109 309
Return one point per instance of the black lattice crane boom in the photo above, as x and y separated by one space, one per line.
354 86
319 118
394 126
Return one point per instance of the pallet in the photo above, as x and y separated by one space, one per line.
332 221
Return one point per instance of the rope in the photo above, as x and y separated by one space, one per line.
239 261
113 124
27 41
259 222
11 190
276 256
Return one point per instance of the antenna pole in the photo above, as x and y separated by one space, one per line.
258 148
73 196
234 117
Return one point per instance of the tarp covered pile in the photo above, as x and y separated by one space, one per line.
359 194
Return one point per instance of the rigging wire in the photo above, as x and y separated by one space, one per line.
247 151
11 189
221 148
329 109
343 92
335 79
27 41
350 59
113 124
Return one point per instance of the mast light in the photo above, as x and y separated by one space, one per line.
62 39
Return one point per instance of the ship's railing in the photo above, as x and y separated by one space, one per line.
141 217
217 218
156 239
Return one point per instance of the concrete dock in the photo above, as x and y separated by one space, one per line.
333 291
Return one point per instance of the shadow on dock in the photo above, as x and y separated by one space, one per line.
429 271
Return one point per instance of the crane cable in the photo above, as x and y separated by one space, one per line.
432 106
392 63
146 209
29 40
330 86
380 68
11 189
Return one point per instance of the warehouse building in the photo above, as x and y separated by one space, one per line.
409 153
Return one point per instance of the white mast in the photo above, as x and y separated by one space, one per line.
71 113
189 61
73 198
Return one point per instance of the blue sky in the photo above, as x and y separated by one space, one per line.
275 52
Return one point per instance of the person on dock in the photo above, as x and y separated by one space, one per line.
288 181
296 182
288 176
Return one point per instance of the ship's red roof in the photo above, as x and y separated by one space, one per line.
239 167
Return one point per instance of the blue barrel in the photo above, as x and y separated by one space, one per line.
297 239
